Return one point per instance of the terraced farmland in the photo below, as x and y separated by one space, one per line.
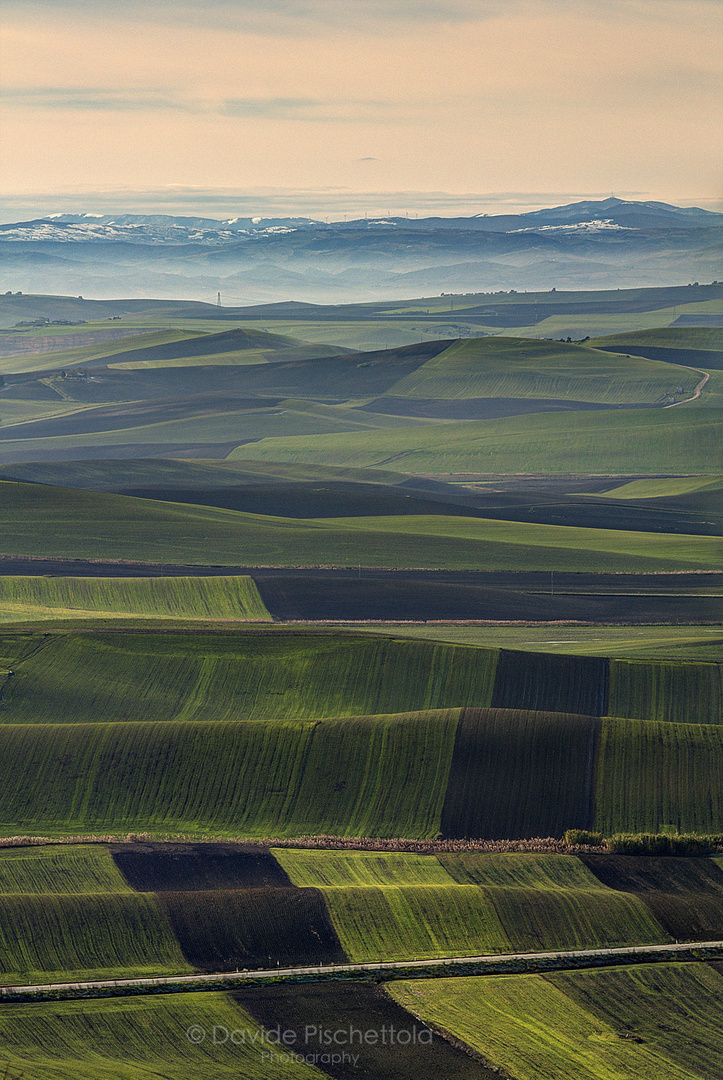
379 902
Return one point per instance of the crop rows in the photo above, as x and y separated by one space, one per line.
241 676
177 597
536 1028
493 774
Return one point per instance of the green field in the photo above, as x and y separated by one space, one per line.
675 691
676 1009
257 779
409 905
244 675
654 776
609 442
31 598
269 732
72 869
658 489
56 938
533 1029
134 1039
659 642
65 523
705 339
519 368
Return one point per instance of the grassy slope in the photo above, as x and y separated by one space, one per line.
618 442
660 642
181 598
516 367
395 902
54 938
134 1039
531 1029
238 676
706 339
675 691
654 775
677 1009
255 779
67 358
75 869
42 521
657 489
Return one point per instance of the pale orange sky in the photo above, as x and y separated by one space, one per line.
331 106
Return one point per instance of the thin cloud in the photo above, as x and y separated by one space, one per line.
91 98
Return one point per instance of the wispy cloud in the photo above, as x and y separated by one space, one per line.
92 98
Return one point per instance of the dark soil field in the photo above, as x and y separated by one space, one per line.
499 753
195 867
367 1009
252 928
495 596
559 684
706 359
685 895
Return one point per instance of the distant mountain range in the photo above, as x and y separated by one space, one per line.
601 244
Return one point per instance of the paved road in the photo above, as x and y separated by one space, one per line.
573 956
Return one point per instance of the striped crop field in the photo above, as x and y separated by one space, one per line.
242 676
137 1038
75 869
522 368
531 1028
370 868
29 598
654 776
426 921
54 938
684 895
674 691
255 779
677 1009
375 899
509 870
270 732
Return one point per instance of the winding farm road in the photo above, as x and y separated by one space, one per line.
576 958
696 392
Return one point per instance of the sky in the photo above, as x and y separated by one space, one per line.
332 107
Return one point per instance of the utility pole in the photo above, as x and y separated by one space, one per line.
218 300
